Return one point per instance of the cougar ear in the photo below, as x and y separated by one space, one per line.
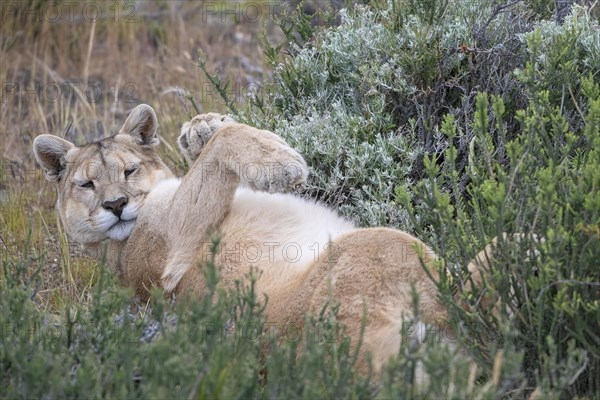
141 124
50 153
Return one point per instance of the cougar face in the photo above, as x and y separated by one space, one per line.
102 186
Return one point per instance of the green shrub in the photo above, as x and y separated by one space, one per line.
104 349
548 280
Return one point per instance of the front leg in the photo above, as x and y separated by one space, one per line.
262 160
232 154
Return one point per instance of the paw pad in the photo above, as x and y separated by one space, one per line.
196 133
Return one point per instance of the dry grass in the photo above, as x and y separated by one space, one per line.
77 78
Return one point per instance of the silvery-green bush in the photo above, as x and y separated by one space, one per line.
364 100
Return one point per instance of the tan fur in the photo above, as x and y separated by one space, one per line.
235 188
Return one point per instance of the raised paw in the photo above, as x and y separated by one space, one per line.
276 175
263 160
196 133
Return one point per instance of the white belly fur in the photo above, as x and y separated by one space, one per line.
289 230
265 229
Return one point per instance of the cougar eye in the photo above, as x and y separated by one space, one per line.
130 170
87 185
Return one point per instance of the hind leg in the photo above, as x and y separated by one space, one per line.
373 274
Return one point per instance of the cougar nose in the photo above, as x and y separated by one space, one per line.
115 206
